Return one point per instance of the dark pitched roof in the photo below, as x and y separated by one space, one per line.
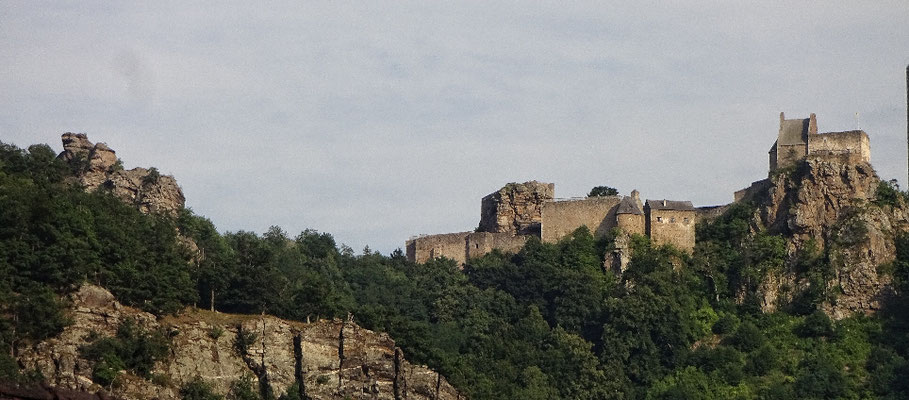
669 205
628 206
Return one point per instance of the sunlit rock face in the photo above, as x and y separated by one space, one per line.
97 167
326 359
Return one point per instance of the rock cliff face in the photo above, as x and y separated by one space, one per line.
516 208
328 359
828 202
98 167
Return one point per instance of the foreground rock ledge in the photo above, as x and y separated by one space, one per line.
332 359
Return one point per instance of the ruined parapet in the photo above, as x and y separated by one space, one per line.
516 208
482 243
462 246
97 167
670 222
849 143
562 217
449 245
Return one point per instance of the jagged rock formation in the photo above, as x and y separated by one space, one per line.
329 359
516 208
97 166
828 202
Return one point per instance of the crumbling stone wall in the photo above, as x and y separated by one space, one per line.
481 243
516 208
449 245
833 143
561 218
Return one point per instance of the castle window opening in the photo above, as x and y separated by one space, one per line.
659 219
672 219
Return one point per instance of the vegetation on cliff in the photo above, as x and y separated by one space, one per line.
544 323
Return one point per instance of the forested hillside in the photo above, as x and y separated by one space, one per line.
545 323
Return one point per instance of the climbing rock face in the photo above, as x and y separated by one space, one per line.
97 167
829 203
327 359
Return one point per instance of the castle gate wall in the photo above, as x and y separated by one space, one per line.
833 143
561 218
448 245
481 243
673 227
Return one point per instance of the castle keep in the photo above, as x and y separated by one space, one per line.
798 140
510 215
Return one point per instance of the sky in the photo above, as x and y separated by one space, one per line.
376 121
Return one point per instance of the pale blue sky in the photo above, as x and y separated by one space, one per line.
375 121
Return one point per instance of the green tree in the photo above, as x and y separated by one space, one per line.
603 191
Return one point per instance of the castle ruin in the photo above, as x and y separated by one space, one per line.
517 211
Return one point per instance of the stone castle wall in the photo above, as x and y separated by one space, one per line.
833 143
449 245
787 155
673 227
481 243
632 223
561 218
462 246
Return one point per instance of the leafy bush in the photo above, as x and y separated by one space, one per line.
198 389
243 340
243 389
151 177
133 349
887 194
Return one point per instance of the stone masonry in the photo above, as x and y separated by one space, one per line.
516 208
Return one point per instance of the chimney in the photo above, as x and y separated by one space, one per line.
636 197
664 202
812 124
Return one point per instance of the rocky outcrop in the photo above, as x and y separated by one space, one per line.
516 208
97 166
828 203
327 359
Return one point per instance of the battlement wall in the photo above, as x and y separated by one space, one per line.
561 218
